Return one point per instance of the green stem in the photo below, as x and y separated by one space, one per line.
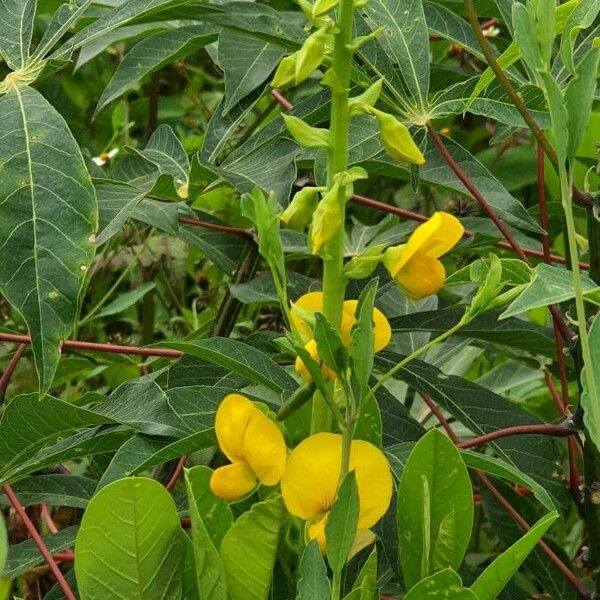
336 587
333 263
422 350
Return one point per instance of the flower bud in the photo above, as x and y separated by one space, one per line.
327 219
305 135
397 140
309 57
321 7
299 212
368 99
285 73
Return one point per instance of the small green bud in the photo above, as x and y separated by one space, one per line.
368 99
285 73
397 139
327 219
299 211
305 135
322 7
310 56
351 175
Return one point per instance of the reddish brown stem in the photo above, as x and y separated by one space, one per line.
10 369
569 575
560 405
177 472
39 542
247 233
439 415
47 517
537 429
64 556
281 100
94 347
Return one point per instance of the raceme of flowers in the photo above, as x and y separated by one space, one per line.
309 476
415 266
303 311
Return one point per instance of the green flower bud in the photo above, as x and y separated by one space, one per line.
310 56
321 7
305 135
368 99
327 219
397 139
299 212
285 73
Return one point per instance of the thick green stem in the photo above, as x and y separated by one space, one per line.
333 263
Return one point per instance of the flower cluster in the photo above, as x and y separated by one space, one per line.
309 476
303 311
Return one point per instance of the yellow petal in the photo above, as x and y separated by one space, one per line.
373 480
316 531
310 480
421 276
434 238
382 332
231 420
311 348
311 302
264 448
233 481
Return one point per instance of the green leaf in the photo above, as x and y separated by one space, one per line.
500 468
26 555
3 546
247 63
129 544
151 54
558 115
342 523
313 583
362 347
365 585
435 461
491 582
240 358
589 401
16 28
210 573
446 584
581 18
330 346
125 300
48 218
549 285
405 41
29 424
579 98
248 550
60 490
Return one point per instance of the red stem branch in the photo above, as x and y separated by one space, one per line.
39 542
537 429
95 347
10 369
177 472
47 517
247 233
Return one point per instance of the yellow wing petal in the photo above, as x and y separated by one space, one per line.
231 420
373 480
233 481
421 276
310 480
311 302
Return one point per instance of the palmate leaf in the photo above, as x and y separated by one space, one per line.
129 544
48 218
16 28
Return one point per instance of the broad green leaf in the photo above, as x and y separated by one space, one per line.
248 550
129 544
511 332
59 490
500 468
29 424
313 583
241 358
26 555
16 28
405 40
247 62
445 584
491 582
591 404
579 97
342 523
549 285
435 468
210 574
524 24
514 272
48 219
470 403
152 53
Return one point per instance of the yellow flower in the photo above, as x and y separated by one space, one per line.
310 481
415 265
311 348
313 302
254 445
